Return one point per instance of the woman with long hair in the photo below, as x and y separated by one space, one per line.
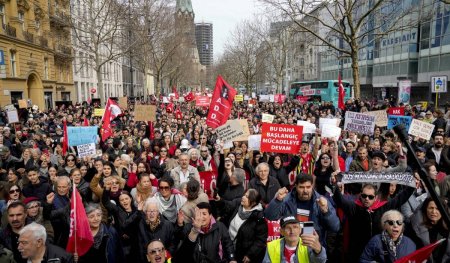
230 179
143 189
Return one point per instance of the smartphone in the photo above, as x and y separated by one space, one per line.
308 228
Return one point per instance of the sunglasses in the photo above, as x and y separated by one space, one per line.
14 191
364 196
71 160
238 153
391 222
156 251
204 151
325 158
165 188
164 151
115 183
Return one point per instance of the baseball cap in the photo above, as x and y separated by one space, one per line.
379 155
288 220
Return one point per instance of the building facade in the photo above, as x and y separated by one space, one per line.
35 52
205 46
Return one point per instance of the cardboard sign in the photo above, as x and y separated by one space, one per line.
273 229
22 104
331 131
359 123
82 135
398 111
244 125
281 138
208 182
421 129
86 150
368 177
267 118
263 98
239 98
307 126
202 101
12 116
254 142
396 120
381 119
123 102
230 131
334 122
99 112
145 113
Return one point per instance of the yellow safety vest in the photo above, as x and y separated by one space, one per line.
275 252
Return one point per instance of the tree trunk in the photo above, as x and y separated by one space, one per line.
355 72
100 88
157 85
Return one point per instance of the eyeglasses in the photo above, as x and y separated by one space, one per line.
325 158
14 191
203 138
364 196
156 251
115 183
163 151
165 188
71 160
391 222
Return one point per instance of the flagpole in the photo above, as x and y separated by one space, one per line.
74 218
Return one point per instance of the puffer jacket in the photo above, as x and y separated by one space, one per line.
376 251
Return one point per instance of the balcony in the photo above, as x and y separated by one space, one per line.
58 18
28 37
63 52
10 30
43 42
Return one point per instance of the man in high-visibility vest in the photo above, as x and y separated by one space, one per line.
293 247
156 252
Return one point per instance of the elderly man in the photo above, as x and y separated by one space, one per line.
9 236
32 246
295 246
184 172
207 159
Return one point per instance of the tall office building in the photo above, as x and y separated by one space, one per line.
204 39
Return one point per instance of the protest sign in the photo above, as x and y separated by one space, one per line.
371 177
307 126
330 131
281 138
35 107
86 150
421 129
263 98
273 228
399 111
246 97
334 122
22 104
254 142
145 113
123 102
230 131
10 107
228 145
359 123
244 125
381 119
99 112
208 182
272 98
82 135
202 101
166 100
396 120
239 98
12 116
267 118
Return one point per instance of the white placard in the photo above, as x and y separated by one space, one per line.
264 98
246 97
421 129
334 122
267 118
307 126
254 142
330 131
85 150
228 144
359 123
12 116
272 98
166 100
232 130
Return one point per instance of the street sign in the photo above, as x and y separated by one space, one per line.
439 84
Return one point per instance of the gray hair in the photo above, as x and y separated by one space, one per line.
240 175
260 166
91 207
62 178
148 202
193 150
184 154
145 140
126 158
388 214
38 231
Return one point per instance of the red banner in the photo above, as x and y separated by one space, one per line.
399 111
80 236
273 228
420 255
221 103
341 104
208 182
279 98
201 101
302 99
281 138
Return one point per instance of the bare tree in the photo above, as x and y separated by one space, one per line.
226 65
100 29
350 25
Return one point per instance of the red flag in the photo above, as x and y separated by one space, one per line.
189 97
341 104
420 255
85 122
151 130
178 114
169 108
174 90
112 110
66 139
221 103
80 237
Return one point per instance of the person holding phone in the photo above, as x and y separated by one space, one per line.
296 245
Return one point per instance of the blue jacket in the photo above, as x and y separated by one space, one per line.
375 252
322 222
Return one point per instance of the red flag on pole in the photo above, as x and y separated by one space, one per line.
221 103
85 122
80 236
189 97
169 108
151 130
341 104
66 139
420 255
174 90
112 110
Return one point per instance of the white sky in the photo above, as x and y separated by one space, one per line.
225 15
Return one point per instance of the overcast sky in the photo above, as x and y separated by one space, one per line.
225 15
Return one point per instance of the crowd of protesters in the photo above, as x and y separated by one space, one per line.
145 201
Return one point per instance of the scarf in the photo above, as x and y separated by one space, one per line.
245 214
98 238
391 244
142 192
155 224
167 208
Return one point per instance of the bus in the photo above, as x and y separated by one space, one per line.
317 91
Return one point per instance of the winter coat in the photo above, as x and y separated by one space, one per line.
323 222
267 191
282 173
377 251
40 190
55 252
225 189
84 190
111 242
356 166
365 223
6 256
175 174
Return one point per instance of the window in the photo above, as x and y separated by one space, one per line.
45 68
13 63
2 15
65 96
21 17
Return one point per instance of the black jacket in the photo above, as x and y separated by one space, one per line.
282 173
84 190
40 190
268 191
206 248
55 252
